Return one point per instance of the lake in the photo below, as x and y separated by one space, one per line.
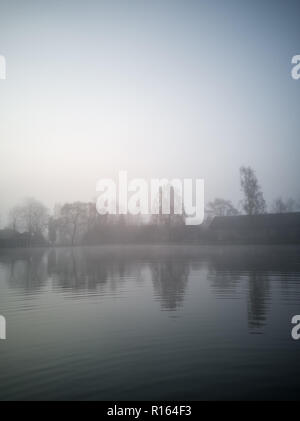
150 323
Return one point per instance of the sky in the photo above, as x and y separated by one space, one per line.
160 88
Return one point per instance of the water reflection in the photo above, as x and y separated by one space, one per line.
72 270
249 270
224 282
232 273
85 270
150 321
170 279
26 270
80 270
259 293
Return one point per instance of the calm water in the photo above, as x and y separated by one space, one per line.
150 322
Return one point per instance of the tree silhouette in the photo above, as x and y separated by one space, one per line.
253 202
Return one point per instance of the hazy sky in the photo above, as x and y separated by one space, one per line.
159 88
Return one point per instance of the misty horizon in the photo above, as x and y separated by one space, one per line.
161 89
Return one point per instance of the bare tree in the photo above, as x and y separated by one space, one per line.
253 202
30 216
221 207
73 217
15 218
35 216
281 206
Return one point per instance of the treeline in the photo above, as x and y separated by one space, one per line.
253 201
30 222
